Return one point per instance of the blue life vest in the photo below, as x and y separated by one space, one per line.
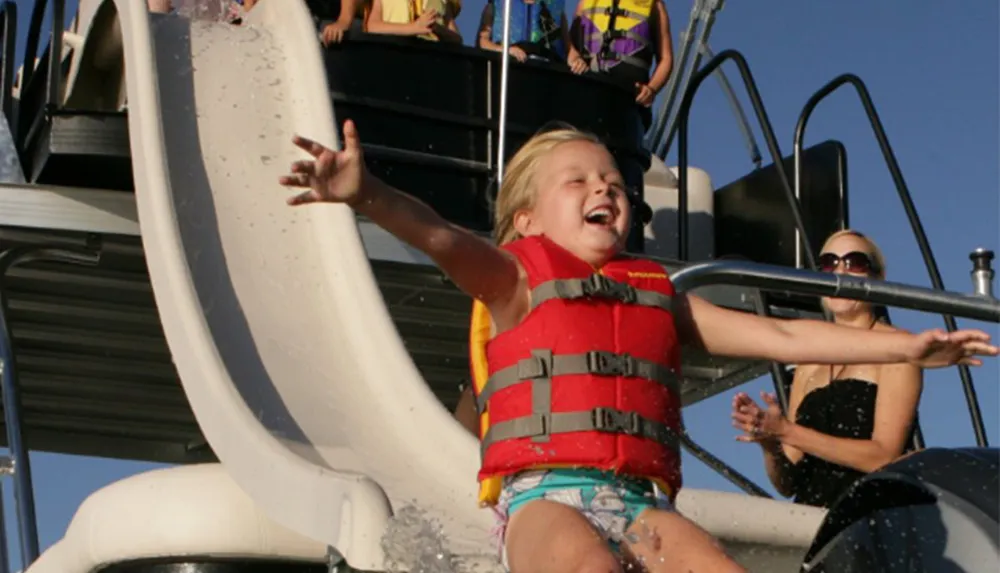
537 23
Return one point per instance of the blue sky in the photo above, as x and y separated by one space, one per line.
932 69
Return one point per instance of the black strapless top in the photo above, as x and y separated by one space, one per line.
845 409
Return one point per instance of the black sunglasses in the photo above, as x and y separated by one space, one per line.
853 262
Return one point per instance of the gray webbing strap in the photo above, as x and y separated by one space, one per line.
598 62
539 368
618 34
633 61
541 389
608 420
622 12
598 286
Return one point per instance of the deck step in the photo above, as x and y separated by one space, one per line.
81 149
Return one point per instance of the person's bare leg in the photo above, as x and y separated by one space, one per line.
667 542
549 537
161 6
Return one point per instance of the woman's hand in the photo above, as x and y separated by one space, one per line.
334 176
765 426
938 348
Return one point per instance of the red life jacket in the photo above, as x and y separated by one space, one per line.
590 378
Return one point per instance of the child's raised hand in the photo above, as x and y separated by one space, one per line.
937 348
334 176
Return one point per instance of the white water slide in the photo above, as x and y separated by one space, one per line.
287 353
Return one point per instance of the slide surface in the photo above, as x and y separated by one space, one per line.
285 347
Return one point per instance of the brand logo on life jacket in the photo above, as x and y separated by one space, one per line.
646 275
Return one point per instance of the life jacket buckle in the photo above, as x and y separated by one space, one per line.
600 285
615 421
533 368
610 364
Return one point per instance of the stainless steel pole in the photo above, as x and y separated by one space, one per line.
504 79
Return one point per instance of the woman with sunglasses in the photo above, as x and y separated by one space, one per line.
843 421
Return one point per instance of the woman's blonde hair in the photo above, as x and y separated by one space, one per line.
878 260
518 190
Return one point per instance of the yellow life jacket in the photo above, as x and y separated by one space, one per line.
617 31
480 332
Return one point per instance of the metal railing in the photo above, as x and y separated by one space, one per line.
720 467
24 498
741 117
8 27
684 116
53 84
504 79
55 46
811 283
911 214
803 246
661 133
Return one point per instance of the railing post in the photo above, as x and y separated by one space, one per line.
721 467
661 134
10 392
779 377
24 499
31 42
8 13
6 469
504 81
741 116
982 272
55 53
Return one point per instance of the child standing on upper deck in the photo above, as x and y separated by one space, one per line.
426 19
538 29
622 38
581 407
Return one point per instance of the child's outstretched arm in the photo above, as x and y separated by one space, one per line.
476 266
737 334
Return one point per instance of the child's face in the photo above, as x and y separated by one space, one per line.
580 204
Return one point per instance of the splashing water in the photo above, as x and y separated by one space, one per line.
208 10
414 543
10 165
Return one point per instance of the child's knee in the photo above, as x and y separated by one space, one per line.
591 559
598 560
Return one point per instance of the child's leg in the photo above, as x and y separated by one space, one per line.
664 541
551 537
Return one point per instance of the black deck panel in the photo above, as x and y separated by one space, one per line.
97 377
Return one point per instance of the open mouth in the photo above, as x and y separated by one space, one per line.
602 216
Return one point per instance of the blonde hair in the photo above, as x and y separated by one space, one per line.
873 251
518 190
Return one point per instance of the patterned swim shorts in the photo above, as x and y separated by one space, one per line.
611 503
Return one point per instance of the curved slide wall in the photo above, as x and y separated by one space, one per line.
285 348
